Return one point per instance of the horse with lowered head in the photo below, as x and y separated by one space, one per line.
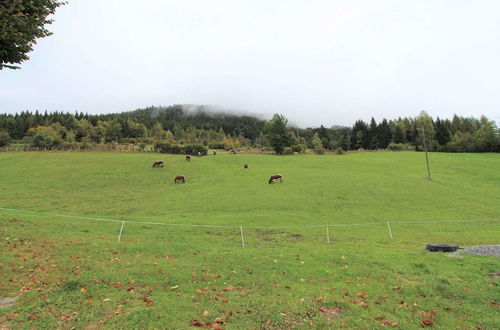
275 177
158 163
180 179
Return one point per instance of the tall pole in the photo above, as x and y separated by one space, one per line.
426 157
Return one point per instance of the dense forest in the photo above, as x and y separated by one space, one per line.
178 125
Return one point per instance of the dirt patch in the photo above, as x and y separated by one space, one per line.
330 314
8 302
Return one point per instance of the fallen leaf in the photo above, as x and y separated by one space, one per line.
83 290
205 314
117 285
362 295
197 323
228 288
344 293
320 299
426 323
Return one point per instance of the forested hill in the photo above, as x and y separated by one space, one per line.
183 125
197 116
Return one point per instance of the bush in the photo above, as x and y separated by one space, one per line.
44 137
339 151
400 147
167 148
216 144
288 151
194 149
4 138
298 148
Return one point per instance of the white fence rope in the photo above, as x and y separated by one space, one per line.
240 227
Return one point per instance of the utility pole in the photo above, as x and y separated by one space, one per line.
426 157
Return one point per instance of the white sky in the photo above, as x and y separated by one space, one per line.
317 62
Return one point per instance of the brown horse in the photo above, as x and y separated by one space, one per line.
275 177
188 157
158 163
215 153
232 151
180 179
245 166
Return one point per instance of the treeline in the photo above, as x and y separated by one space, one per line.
459 134
179 127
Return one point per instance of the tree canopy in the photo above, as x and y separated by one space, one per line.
278 134
21 23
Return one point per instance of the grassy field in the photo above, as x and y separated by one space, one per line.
72 272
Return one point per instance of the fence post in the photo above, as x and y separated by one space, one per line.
242 239
327 235
389 227
121 229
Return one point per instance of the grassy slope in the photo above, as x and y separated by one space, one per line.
172 263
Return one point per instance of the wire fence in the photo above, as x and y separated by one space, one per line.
466 232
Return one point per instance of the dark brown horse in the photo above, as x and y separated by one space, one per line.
180 179
275 177
245 166
215 153
158 163
232 151
188 157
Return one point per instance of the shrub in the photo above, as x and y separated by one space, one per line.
287 151
339 151
195 148
44 137
299 148
216 144
4 138
167 148
400 147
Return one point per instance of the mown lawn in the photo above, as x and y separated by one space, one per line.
72 272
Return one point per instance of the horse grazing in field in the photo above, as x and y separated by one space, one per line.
188 157
245 166
158 163
215 153
275 177
180 179
232 151
199 154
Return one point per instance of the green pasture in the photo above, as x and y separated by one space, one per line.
71 272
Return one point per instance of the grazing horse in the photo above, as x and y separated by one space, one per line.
275 177
232 151
245 166
199 154
188 157
180 179
158 163
215 153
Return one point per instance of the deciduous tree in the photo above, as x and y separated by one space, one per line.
21 23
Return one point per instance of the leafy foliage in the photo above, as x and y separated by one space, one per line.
21 23
278 133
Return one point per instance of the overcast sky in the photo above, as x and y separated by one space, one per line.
317 62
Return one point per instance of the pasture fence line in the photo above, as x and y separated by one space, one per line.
240 227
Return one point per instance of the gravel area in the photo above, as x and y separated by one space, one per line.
482 250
